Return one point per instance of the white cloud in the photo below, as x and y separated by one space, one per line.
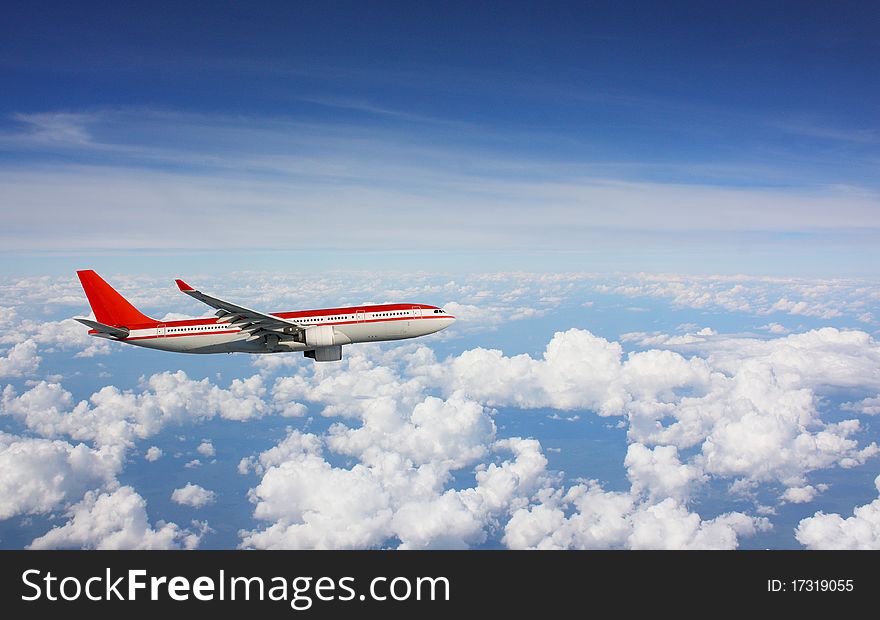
757 415
658 339
153 454
452 432
804 494
115 417
244 466
475 318
658 473
66 335
804 308
751 405
866 406
116 520
825 299
831 531
206 448
51 336
39 475
314 505
21 360
819 357
587 517
775 328
193 495
668 525
397 487
58 128
347 389
578 371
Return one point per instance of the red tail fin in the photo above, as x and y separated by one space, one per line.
109 307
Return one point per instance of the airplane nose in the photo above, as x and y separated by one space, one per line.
443 323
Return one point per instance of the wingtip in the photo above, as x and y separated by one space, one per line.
183 286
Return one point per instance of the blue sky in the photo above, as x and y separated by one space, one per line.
552 135
657 225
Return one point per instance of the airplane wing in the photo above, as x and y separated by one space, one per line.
253 321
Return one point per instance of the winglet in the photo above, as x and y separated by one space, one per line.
183 286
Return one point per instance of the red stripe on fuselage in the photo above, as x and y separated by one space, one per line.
352 310
312 313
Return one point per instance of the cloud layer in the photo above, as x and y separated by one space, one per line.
411 454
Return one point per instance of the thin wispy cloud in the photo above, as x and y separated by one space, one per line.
232 178
49 130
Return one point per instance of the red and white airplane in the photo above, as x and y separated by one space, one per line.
319 334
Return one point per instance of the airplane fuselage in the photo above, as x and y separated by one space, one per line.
336 326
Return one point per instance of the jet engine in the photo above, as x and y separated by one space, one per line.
319 336
325 354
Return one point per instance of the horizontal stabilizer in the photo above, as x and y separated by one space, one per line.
116 332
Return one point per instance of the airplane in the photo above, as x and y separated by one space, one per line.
319 334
